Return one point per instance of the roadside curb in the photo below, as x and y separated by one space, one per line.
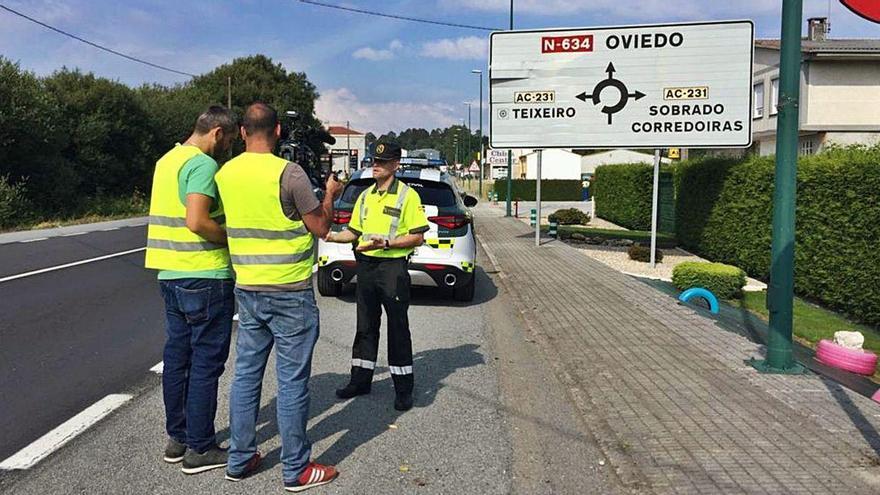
70 230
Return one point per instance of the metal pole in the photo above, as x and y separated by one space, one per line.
538 200
654 201
348 145
509 152
470 145
229 92
780 293
482 154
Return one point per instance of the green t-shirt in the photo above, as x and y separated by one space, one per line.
197 176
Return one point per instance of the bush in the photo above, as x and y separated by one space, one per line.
623 194
569 216
551 190
14 206
664 241
724 213
637 252
725 281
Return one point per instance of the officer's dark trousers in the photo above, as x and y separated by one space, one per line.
383 282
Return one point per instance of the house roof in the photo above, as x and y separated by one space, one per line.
830 47
338 130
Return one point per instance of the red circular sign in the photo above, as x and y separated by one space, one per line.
869 9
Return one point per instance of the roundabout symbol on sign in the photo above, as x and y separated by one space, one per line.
625 95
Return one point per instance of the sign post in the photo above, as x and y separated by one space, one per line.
655 198
538 200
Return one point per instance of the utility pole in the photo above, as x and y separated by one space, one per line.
470 147
347 145
509 152
482 151
780 293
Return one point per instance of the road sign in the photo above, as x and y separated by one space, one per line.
869 9
497 157
474 167
654 86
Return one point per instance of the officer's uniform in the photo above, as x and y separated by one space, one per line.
383 281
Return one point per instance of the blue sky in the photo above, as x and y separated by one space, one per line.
381 74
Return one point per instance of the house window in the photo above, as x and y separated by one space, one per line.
774 97
806 147
759 100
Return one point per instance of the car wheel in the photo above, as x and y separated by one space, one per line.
465 292
326 286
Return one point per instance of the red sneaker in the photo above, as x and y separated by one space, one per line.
314 475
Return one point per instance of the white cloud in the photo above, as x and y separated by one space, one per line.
369 53
466 48
340 105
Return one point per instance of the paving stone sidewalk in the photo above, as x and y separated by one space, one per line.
666 391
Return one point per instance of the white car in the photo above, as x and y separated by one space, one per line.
447 259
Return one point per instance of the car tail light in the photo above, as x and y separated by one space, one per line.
341 217
435 268
450 222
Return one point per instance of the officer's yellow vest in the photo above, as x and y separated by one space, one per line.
380 219
170 244
266 247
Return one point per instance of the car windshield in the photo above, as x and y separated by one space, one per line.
432 193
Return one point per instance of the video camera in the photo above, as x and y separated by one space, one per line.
303 143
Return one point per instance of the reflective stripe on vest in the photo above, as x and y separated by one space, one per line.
170 244
266 247
395 221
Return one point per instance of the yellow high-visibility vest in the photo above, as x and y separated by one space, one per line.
265 246
378 218
170 244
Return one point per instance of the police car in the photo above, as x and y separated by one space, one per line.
446 259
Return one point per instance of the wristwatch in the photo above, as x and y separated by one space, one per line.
387 245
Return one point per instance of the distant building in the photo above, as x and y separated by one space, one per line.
555 164
840 91
614 157
349 143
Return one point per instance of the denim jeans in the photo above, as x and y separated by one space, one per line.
198 324
289 320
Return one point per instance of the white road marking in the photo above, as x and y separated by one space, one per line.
67 431
74 234
68 265
158 368
34 240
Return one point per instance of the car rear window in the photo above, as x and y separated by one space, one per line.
432 193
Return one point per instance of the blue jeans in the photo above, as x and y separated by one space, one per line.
289 320
198 324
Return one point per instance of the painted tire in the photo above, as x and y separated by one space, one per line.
701 292
853 360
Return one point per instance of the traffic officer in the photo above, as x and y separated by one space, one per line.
388 223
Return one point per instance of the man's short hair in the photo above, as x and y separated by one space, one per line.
216 116
260 119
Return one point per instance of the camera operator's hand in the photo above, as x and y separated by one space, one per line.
333 187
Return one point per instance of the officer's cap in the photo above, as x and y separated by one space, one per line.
386 151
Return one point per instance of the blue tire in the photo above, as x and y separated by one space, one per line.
701 292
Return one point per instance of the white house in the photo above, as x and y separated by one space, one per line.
614 157
555 164
349 142
840 91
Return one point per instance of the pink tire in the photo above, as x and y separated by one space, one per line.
852 360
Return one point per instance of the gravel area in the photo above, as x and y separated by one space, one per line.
617 258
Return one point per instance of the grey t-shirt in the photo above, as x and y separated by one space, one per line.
297 198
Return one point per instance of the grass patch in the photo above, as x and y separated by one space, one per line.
813 323
94 210
665 241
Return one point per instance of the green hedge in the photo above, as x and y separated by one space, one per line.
725 281
724 213
664 241
551 190
623 194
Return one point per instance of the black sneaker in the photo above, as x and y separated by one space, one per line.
174 451
194 463
250 468
403 402
352 390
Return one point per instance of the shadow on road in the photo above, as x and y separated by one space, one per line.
364 418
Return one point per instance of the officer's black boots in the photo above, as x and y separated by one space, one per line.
361 379
403 392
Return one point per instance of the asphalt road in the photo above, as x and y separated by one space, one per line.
70 337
